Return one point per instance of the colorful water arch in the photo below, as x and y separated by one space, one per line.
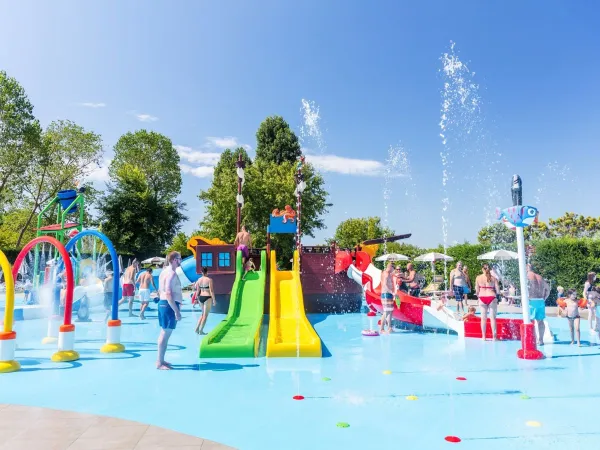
7 335
66 337
113 344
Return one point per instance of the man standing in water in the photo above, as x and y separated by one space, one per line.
387 297
146 279
243 242
169 289
538 292
129 285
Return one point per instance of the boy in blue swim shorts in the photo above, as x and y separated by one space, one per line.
169 289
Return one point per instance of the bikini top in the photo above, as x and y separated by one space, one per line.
204 286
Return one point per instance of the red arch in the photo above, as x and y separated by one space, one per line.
68 269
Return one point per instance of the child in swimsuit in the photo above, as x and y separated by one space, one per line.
572 314
248 267
470 314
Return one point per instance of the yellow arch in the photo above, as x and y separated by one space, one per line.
9 282
192 241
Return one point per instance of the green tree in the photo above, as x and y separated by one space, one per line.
353 231
67 154
268 186
12 224
271 186
220 219
496 234
276 142
179 244
140 212
19 132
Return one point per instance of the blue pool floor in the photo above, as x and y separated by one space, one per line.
247 403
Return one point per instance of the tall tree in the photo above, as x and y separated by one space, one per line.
496 234
19 130
66 155
276 142
268 186
219 199
140 212
179 244
353 231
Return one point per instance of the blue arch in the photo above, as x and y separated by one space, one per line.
115 263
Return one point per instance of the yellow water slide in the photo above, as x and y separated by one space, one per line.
290 332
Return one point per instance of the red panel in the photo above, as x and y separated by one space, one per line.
343 259
507 329
58 227
362 261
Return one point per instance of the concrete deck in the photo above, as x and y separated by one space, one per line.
24 427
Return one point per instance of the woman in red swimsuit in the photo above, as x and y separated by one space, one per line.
486 288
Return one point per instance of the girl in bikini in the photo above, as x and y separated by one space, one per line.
204 293
486 288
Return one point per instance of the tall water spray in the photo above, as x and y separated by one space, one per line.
396 171
459 119
310 129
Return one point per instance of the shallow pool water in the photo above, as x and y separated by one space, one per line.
363 382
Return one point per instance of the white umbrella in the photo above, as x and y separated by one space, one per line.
499 255
433 257
154 260
392 257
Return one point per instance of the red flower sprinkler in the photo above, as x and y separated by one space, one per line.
370 332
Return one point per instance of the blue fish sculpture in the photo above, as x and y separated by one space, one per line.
518 216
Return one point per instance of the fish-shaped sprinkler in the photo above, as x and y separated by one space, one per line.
518 216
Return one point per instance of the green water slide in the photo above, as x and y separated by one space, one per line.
238 335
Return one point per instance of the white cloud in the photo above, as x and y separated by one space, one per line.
146 118
197 156
224 142
346 166
200 172
200 163
93 105
99 174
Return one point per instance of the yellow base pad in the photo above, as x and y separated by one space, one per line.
49 340
65 356
112 348
9 366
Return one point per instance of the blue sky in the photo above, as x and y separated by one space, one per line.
207 73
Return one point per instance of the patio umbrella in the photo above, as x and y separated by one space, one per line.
392 257
499 255
432 257
154 260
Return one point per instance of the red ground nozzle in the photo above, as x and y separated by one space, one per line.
371 314
528 341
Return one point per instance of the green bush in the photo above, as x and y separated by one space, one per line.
566 262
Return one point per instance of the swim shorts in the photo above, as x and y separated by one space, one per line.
387 302
458 293
128 290
108 296
144 295
537 308
166 315
244 250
